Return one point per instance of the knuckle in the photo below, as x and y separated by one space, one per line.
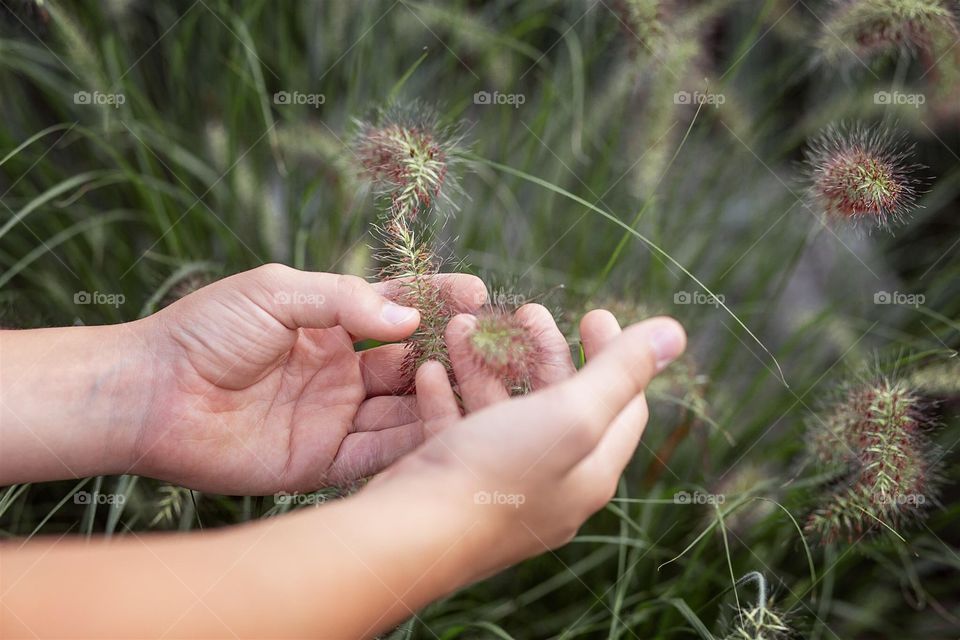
601 496
272 271
270 277
349 286
478 293
457 327
567 533
533 310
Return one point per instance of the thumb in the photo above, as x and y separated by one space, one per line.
322 300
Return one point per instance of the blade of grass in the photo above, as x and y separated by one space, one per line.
652 245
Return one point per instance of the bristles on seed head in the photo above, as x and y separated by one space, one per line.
857 31
875 439
505 346
408 155
862 175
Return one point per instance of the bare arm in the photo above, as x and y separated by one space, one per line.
72 400
345 570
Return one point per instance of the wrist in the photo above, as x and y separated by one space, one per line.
74 400
451 516
401 542
130 378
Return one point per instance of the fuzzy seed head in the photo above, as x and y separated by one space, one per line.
646 23
759 623
411 160
875 439
408 157
938 379
761 620
861 175
864 29
505 346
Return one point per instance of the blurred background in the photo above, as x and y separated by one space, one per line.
149 148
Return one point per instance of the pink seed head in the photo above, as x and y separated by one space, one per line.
860 174
504 345
408 155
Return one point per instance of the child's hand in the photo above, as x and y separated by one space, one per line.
259 388
529 471
251 412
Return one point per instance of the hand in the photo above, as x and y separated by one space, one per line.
509 480
530 471
259 388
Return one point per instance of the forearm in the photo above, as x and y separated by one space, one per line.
71 400
345 570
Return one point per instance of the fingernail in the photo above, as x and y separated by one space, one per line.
666 341
395 314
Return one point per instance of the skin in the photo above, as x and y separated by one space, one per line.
252 385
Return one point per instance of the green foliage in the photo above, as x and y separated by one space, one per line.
655 169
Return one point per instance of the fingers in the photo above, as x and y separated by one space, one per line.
365 453
436 402
603 466
597 328
626 366
593 482
383 371
553 362
583 407
478 386
386 412
617 446
465 293
323 300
